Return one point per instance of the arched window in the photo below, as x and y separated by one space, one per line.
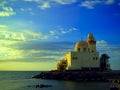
84 49
92 50
76 58
73 58
96 58
79 49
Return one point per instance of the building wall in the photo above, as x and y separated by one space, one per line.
92 48
68 58
78 60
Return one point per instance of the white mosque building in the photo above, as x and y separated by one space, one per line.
84 56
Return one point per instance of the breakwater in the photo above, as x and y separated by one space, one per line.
81 76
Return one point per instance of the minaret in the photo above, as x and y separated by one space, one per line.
91 43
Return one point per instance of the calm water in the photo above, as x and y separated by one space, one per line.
21 81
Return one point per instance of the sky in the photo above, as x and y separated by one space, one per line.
35 34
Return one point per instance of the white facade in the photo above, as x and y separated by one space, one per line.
84 55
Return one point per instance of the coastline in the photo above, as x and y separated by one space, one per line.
81 76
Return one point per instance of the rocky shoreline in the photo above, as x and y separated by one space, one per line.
81 76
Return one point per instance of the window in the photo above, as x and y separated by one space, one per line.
73 58
96 58
93 58
76 58
78 49
92 50
85 49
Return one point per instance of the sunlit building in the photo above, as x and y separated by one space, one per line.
84 56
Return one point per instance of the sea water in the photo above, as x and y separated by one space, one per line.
22 80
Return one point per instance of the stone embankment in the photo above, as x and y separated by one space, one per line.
80 76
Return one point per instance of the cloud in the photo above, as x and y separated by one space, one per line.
34 51
32 0
91 4
30 35
101 43
113 50
2 26
119 3
7 11
25 35
60 31
26 45
44 5
7 53
67 31
52 32
65 1
29 10
110 1
53 1
25 9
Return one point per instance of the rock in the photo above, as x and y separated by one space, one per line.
42 85
114 88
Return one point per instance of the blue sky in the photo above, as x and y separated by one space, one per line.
34 34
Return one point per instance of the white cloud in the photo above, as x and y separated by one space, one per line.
110 1
113 50
119 3
25 9
65 1
33 0
89 4
28 0
53 1
25 35
44 5
61 31
7 53
65 31
2 26
7 11
34 35
101 42
29 10
52 32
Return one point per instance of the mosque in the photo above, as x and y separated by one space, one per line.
84 56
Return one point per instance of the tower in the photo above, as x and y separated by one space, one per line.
91 43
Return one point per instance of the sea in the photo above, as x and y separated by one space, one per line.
22 80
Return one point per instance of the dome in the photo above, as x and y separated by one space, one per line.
81 43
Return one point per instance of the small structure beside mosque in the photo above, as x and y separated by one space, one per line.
84 57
